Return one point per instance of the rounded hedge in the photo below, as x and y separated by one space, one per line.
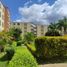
22 58
50 47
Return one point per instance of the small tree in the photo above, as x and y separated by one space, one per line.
28 37
15 34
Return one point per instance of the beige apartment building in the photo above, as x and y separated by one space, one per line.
1 16
41 29
36 29
4 18
25 27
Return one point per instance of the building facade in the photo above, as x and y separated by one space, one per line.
1 17
4 18
41 29
36 29
25 27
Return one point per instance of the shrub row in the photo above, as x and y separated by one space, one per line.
22 58
49 47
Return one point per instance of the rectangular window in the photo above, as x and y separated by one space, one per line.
13 23
18 23
0 22
0 14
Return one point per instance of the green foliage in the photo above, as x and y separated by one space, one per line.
3 62
28 37
49 47
22 58
57 28
53 30
9 54
53 26
19 43
62 23
52 33
15 33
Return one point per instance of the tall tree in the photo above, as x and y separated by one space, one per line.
53 30
62 23
53 26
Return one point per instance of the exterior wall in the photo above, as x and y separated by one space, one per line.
41 30
6 19
37 30
1 17
25 27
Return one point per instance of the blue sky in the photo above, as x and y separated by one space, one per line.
20 10
13 6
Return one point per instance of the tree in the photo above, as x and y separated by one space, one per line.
53 30
28 37
15 34
62 23
53 26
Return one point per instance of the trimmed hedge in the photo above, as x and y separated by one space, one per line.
22 58
50 47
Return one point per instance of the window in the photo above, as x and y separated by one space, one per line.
25 24
0 5
0 14
25 27
18 23
0 22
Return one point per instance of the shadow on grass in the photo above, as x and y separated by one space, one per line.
7 57
4 58
52 60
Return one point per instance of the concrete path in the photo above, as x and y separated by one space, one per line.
54 65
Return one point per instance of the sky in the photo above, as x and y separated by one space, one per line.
36 11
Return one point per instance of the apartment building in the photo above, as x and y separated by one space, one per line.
41 29
4 18
36 29
25 27
1 17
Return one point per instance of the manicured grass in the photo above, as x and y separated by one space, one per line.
3 63
22 58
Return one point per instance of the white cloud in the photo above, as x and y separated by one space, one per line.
44 13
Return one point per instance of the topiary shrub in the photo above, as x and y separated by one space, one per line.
9 53
22 58
50 47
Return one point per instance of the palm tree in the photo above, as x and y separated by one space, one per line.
53 30
53 26
62 24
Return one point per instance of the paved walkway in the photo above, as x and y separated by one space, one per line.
54 65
